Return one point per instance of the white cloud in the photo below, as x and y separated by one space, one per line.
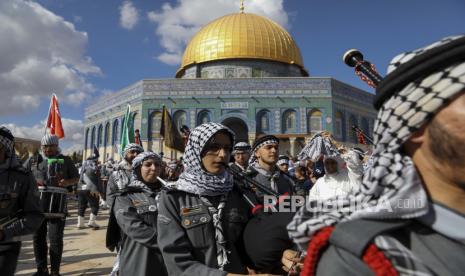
74 132
41 53
177 24
129 16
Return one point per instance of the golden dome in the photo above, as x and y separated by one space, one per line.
241 35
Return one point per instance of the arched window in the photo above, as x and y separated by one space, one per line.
180 118
263 121
338 119
315 121
92 138
100 136
365 126
114 135
136 120
352 135
107 135
87 140
155 124
203 117
289 121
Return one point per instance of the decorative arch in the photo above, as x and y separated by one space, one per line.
114 135
136 120
180 118
106 140
203 117
100 135
315 121
352 135
289 121
365 126
92 138
338 124
263 118
87 140
155 124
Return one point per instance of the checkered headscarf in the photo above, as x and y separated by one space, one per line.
241 147
132 146
260 142
7 139
282 159
195 179
137 162
49 140
319 145
393 175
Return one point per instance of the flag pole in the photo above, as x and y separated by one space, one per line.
48 115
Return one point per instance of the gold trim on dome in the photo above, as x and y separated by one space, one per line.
241 36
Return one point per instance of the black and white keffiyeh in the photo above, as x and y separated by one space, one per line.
393 176
195 179
136 182
7 139
241 147
282 159
132 146
319 145
260 142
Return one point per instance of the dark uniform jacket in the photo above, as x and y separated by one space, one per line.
40 169
285 183
187 236
19 197
136 213
440 254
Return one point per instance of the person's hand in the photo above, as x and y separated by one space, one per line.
292 262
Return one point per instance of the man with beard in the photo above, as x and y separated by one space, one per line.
241 154
20 211
55 170
340 177
411 207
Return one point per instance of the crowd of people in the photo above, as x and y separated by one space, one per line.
398 210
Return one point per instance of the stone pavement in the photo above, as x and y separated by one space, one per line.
84 251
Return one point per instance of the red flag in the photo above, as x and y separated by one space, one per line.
54 118
361 138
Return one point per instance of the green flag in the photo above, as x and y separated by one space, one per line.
127 130
170 132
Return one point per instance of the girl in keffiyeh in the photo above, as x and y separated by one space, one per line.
135 212
200 224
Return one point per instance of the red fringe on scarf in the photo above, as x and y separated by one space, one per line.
373 257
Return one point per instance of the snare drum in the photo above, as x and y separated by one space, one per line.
53 201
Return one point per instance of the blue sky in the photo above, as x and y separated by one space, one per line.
81 49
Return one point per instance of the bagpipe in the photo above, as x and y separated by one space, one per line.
265 235
364 69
